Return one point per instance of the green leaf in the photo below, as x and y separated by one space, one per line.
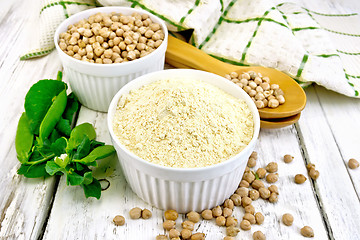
72 107
53 115
88 178
52 168
94 144
98 153
59 146
93 189
55 135
24 139
74 179
62 161
64 127
59 76
39 99
83 149
33 171
77 135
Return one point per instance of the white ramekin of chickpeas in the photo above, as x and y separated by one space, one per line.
102 49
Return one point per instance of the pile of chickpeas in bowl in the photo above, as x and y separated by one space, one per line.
107 38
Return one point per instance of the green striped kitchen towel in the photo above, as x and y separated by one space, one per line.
310 46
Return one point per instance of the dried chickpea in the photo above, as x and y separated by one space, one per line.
259 218
216 211
146 214
236 199
185 234
193 216
169 224
161 237
249 177
246 201
257 184
254 155
242 191
307 232
174 233
288 158
314 174
119 220
249 217
245 225
244 183
207 214
273 198
220 221
264 193
250 209
251 162
232 231
272 177
171 214
261 172
135 213
188 225
231 221
274 189
258 235
353 163
229 204
254 194
272 167
228 238
227 212
287 219
198 236
300 179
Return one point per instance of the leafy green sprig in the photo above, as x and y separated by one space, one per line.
47 145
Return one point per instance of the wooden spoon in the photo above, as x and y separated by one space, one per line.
279 122
180 53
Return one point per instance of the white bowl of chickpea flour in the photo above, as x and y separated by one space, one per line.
105 48
183 137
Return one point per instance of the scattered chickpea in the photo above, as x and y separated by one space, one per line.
135 213
227 212
231 221
246 201
188 225
249 217
146 214
174 233
185 234
249 177
257 184
259 218
261 172
236 199
272 167
272 177
254 194
273 198
300 179
169 224
353 163
258 235
216 211
245 225
242 191
220 221
207 214
314 174
229 204
307 232
287 219
198 236
264 193
232 231
193 216
274 189
171 214
250 209
119 220
244 184
161 237
288 158
251 162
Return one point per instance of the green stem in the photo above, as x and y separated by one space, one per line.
41 160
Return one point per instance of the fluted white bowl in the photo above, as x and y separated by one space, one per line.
183 189
96 84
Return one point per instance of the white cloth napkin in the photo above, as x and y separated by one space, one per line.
307 45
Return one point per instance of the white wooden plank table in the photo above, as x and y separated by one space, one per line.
328 135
